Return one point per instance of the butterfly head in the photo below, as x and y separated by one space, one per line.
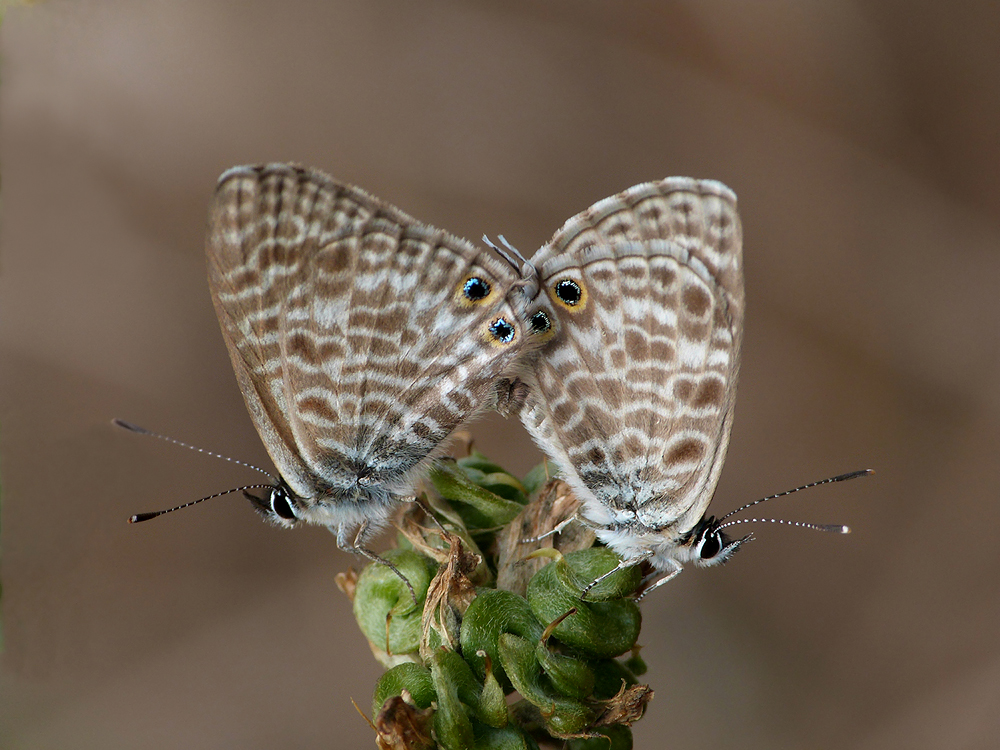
704 545
707 544
279 505
351 492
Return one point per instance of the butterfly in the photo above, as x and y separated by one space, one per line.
638 306
361 339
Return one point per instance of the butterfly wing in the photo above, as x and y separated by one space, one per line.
632 393
357 340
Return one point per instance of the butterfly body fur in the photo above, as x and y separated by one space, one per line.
360 338
632 391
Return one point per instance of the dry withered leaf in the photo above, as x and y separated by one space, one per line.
450 593
626 707
554 505
402 726
347 582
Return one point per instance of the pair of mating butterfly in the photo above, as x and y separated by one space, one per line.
362 339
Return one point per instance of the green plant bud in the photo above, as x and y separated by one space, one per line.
609 674
569 676
489 708
492 703
408 676
471 639
452 724
586 566
563 716
479 508
619 735
599 628
382 603
635 663
491 613
508 738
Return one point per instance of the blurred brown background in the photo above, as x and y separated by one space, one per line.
862 140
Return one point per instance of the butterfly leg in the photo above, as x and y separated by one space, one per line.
558 529
577 517
357 548
676 568
428 512
621 564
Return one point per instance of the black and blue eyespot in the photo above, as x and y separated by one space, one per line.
569 292
540 322
476 289
502 331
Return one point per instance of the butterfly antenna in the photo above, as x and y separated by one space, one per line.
143 431
140 517
838 528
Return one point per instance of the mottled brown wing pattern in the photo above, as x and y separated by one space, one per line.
360 337
632 393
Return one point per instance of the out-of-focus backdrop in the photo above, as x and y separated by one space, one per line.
862 140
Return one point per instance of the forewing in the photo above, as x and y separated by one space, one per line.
633 391
353 342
